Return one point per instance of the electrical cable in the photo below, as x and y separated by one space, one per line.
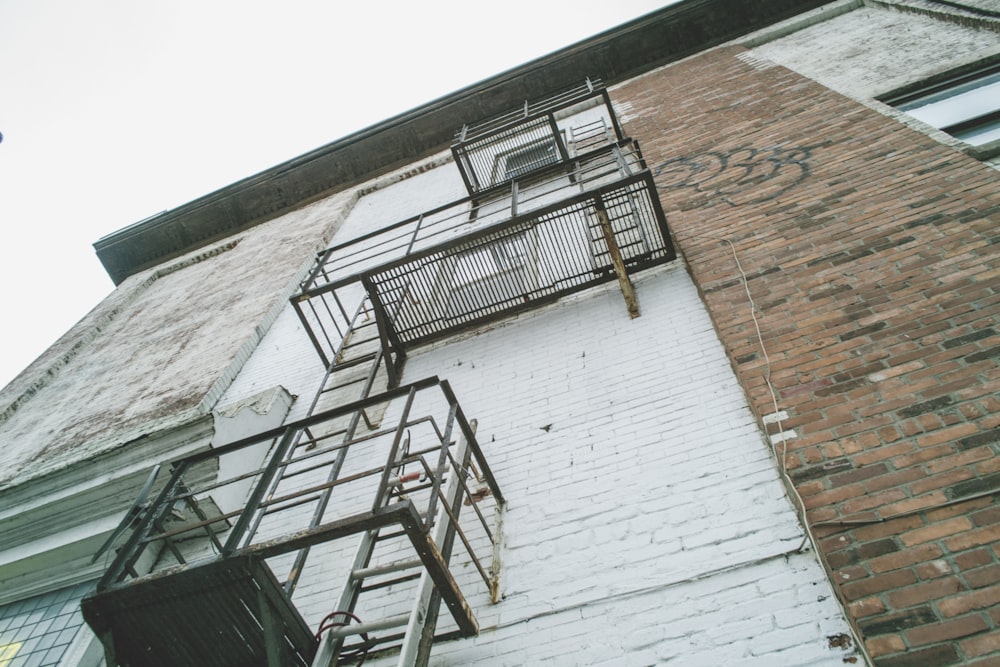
796 498
328 624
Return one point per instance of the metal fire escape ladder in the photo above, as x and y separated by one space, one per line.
228 608
358 360
448 491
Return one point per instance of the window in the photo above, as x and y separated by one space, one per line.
40 630
531 158
481 279
513 164
966 107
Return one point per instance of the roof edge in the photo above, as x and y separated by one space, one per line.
650 41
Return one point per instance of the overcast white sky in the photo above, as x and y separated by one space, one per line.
113 110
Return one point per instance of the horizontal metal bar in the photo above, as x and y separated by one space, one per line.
389 568
312 420
373 626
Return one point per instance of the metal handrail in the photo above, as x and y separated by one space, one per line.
151 527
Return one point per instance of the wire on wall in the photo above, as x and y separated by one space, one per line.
779 449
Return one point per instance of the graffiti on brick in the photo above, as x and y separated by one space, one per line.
740 176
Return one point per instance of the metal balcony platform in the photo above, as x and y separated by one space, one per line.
202 591
495 151
228 613
470 262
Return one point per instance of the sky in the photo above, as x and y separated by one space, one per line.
114 110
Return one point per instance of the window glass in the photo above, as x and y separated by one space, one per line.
531 158
37 631
968 110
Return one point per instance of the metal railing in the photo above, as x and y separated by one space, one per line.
390 476
495 151
527 261
469 261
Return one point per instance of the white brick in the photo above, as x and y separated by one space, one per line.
646 520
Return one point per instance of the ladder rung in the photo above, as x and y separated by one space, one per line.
390 536
341 365
342 385
384 624
313 440
391 582
361 573
362 341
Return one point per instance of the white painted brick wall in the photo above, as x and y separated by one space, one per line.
646 522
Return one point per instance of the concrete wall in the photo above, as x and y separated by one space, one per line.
880 47
869 49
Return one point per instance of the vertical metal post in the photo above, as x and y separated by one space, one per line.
264 487
384 330
614 117
557 137
416 231
416 648
329 648
274 636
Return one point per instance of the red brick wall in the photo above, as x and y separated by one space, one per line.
871 253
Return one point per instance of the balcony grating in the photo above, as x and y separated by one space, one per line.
209 615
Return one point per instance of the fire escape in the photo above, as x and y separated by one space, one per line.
383 486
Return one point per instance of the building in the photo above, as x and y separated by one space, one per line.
624 315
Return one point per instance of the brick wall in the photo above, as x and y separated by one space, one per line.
869 251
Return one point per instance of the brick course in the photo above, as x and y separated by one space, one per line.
870 252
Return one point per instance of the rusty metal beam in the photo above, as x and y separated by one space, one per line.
628 291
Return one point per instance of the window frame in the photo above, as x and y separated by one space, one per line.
502 174
948 86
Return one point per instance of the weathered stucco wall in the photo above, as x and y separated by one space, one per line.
877 48
161 349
